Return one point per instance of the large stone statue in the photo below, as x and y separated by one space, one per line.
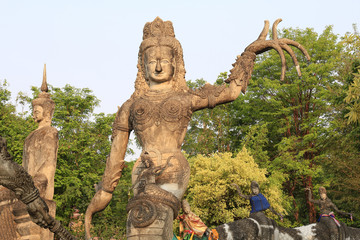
40 154
20 183
159 112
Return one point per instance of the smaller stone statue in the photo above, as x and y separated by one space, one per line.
40 155
258 202
327 216
191 226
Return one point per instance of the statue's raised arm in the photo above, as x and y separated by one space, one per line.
242 69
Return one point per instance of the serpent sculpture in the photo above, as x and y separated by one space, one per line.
16 179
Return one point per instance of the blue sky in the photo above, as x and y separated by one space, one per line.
94 44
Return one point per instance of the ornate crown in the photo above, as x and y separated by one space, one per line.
158 28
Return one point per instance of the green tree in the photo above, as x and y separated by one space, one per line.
341 167
84 145
220 129
296 111
13 126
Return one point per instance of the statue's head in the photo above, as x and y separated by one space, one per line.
255 189
43 106
322 193
159 52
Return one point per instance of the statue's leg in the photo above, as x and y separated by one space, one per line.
155 231
331 227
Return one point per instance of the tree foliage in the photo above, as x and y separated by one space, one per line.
210 192
13 126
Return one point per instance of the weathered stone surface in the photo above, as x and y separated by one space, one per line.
8 225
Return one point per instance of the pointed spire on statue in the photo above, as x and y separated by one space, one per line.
44 87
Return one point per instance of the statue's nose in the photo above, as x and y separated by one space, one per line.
158 66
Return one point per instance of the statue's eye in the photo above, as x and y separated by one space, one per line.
165 61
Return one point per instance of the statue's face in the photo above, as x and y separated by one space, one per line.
255 190
323 196
159 64
38 113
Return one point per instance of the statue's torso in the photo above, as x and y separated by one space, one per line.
160 120
40 156
325 206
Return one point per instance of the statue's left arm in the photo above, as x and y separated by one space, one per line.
344 214
209 96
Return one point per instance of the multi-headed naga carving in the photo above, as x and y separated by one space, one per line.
16 179
159 112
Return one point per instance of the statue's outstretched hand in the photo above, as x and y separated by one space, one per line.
262 45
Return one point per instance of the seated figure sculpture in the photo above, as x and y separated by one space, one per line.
327 216
159 112
259 204
258 201
191 226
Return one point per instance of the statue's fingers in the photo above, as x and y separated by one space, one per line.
265 31
282 57
297 45
274 29
293 56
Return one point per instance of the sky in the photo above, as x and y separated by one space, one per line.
94 44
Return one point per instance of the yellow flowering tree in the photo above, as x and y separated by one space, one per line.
211 195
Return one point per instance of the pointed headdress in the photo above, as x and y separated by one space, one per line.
44 99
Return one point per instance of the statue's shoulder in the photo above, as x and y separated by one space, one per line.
52 130
122 117
125 107
50 133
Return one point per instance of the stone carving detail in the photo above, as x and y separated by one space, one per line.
16 179
148 194
159 112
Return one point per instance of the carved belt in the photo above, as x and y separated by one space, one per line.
142 207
